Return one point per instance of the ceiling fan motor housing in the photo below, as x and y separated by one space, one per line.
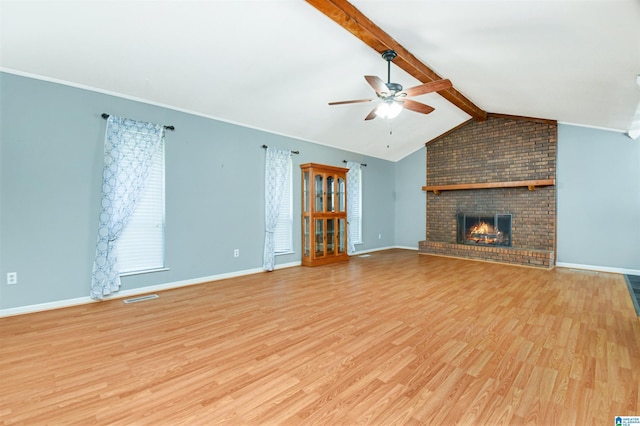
394 87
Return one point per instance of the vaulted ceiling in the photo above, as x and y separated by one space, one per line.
275 65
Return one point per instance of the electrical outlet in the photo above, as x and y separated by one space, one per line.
12 278
236 253
379 236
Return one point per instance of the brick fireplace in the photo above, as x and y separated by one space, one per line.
503 166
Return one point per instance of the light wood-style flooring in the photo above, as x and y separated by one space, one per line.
394 338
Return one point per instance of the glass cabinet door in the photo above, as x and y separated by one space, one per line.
331 238
319 238
341 185
319 196
341 237
307 237
305 190
329 194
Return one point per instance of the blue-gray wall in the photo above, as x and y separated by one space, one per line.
51 148
598 190
411 200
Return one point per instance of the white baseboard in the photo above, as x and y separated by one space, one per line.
407 248
624 271
357 252
20 310
133 292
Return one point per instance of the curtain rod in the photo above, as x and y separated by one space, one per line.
105 116
293 152
362 164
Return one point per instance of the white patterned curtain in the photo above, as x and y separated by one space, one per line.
129 148
353 207
276 176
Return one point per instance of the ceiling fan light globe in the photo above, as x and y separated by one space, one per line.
388 110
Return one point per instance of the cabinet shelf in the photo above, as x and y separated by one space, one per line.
531 184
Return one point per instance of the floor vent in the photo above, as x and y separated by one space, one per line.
141 298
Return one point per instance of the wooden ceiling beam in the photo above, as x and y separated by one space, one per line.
350 18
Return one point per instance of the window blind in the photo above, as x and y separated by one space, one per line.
283 235
141 243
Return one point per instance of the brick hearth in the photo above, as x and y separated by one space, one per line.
500 149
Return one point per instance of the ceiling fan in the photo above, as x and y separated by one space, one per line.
393 98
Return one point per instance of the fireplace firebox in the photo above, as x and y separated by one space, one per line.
484 229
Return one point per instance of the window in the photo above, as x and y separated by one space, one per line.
141 244
283 235
355 206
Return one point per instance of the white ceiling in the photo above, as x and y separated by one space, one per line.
274 65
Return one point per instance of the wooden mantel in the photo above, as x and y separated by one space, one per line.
531 184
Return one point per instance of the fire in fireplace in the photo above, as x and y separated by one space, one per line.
484 229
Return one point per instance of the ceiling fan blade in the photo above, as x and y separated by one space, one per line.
350 102
372 114
417 106
377 84
433 86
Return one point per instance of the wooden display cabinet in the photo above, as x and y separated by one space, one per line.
324 214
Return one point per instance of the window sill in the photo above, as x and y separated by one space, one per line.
146 271
282 253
